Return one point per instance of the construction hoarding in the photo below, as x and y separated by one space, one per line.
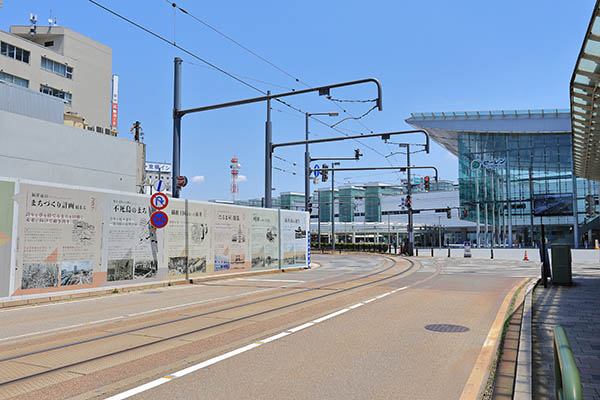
57 237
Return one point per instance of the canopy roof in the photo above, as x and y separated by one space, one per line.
585 103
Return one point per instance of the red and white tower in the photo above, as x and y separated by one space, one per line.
235 170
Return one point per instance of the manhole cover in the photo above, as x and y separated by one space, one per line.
446 328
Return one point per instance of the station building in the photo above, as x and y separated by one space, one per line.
515 174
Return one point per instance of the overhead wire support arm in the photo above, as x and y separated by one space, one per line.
337 139
401 169
323 90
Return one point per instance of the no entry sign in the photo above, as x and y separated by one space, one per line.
159 219
159 201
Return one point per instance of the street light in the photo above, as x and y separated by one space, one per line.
307 156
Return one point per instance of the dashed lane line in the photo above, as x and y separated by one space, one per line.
212 361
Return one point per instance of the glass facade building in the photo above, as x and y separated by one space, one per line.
515 173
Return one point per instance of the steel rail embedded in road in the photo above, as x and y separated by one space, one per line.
162 340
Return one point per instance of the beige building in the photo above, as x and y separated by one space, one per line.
59 62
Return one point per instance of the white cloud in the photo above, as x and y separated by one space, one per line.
242 178
198 178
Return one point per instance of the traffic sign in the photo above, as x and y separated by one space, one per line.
158 185
159 219
316 170
159 201
182 181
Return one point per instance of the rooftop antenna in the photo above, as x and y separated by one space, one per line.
33 20
51 20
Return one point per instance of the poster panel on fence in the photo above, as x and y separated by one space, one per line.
264 239
230 239
294 242
196 225
7 191
130 248
59 239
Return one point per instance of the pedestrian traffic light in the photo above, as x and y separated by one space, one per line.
309 209
408 202
426 182
324 173
449 213
464 213
357 154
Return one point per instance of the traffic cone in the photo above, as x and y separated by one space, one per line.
525 258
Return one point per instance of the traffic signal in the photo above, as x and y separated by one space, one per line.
427 183
357 154
449 213
309 208
464 213
589 205
324 173
408 202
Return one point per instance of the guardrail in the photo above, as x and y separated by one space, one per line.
567 383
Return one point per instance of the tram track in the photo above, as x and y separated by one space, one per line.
91 341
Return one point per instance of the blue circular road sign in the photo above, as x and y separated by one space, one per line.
316 170
159 219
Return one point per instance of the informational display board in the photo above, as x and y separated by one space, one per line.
56 237
189 228
294 238
553 204
230 238
59 238
130 245
264 239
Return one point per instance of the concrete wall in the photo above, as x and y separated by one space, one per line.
91 62
20 100
40 150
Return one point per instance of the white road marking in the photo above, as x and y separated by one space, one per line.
268 280
132 315
335 314
225 356
93 298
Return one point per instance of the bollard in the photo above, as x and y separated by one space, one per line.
417 250
492 253
432 252
448 251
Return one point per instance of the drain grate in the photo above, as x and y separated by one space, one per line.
446 328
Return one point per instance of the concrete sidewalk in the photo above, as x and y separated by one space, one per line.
577 309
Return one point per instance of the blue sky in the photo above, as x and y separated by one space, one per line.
428 55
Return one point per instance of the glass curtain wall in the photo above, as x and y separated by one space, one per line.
503 177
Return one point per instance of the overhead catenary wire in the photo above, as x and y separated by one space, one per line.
295 78
232 76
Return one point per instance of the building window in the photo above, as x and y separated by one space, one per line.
13 79
49 44
56 93
14 52
57 68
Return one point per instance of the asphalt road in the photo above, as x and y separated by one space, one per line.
378 349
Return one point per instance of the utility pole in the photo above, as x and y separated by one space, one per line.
176 126
333 165
268 154
319 218
411 237
307 158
